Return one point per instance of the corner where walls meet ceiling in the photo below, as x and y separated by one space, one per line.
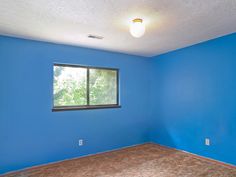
170 24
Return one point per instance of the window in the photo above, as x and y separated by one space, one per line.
81 87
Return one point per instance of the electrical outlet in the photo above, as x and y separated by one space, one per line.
81 142
207 141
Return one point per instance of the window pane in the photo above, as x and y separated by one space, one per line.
103 86
70 86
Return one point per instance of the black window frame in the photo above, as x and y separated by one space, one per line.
88 106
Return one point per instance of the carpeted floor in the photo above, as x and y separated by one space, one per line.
148 160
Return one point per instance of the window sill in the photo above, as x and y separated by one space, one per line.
74 108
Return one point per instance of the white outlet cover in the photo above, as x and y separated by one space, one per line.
81 142
207 142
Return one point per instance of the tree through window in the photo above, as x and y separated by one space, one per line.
81 87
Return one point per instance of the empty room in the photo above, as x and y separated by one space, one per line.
118 88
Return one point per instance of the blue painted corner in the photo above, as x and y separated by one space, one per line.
176 99
194 97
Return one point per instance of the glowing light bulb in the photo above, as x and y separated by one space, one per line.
137 28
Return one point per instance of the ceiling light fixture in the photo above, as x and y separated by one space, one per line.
137 27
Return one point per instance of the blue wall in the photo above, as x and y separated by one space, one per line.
194 97
31 134
177 99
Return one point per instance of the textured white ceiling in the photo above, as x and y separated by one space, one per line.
170 24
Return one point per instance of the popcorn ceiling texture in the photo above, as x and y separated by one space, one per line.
148 160
171 24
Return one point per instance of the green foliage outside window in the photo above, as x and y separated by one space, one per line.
70 86
102 87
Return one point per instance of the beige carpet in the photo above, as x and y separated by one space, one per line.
148 160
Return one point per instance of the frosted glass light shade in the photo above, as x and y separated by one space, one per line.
137 28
